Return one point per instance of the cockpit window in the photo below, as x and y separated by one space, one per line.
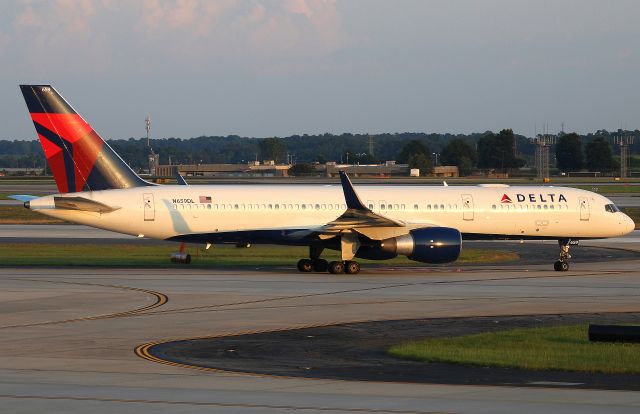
611 208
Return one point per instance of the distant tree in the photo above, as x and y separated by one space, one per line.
599 155
460 154
299 170
420 161
569 152
273 149
498 151
411 148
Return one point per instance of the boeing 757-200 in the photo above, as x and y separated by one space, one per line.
425 223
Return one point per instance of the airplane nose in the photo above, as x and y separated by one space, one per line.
629 224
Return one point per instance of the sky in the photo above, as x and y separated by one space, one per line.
276 68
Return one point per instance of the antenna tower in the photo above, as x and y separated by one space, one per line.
624 140
543 143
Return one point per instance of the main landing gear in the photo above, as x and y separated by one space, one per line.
349 267
562 264
316 264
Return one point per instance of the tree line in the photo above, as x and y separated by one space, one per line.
501 151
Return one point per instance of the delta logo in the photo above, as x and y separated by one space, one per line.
535 198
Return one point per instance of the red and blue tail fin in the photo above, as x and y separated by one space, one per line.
79 159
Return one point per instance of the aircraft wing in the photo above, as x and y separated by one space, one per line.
357 216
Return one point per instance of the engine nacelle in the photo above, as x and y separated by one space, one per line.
427 245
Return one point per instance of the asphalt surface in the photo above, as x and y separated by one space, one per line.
68 335
358 352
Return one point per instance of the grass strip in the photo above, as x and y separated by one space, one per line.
634 213
609 189
21 215
564 348
49 254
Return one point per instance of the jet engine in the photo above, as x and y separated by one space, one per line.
426 245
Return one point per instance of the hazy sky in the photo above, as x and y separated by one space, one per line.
264 68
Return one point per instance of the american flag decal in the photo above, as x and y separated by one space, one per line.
205 199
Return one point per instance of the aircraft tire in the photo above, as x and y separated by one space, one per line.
561 266
352 268
320 265
305 265
336 268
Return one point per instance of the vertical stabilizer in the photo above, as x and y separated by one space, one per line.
78 158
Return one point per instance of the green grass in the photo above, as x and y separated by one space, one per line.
634 213
565 348
43 254
609 189
21 215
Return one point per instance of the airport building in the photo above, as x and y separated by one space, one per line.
271 169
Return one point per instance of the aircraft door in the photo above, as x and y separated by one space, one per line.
584 208
149 207
467 207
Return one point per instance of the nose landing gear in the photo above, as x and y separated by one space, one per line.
562 264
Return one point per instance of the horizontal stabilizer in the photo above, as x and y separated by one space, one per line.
22 197
82 204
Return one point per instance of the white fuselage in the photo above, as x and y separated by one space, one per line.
167 211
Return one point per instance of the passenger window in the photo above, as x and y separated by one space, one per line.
551 207
317 206
304 206
493 207
370 206
415 206
270 206
175 207
539 207
382 207
546 207
441 206
290 206
324 206
389 206
277 206
209 206
435 206
396 207
428 206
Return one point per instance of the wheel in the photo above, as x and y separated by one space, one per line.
336 267
320 265
352 267
561 266
556 265
305 265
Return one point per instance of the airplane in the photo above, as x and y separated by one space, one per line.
427 224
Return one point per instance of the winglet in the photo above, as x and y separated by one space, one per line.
350 195
180 179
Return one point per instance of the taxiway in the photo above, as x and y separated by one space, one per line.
68 335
